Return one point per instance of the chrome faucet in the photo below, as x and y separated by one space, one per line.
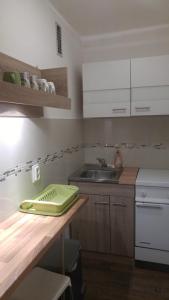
102 162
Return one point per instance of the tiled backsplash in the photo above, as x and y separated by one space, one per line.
44 160
97 148
144 141
126 146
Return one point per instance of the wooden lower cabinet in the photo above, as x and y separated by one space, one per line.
106 223
91 225
122 226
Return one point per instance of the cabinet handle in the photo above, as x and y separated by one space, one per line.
118 204
101 203
145 243
149 206
143 108
118 110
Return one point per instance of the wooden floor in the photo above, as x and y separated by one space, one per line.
114 278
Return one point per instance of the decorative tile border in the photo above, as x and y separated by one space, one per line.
44 160
127 146
51 158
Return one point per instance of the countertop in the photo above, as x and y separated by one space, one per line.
24 238
129 176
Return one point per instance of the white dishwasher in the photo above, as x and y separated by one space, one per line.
152 216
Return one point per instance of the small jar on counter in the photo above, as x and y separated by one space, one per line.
118 160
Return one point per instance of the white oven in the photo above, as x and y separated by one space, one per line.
152 216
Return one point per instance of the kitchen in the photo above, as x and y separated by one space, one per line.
28 34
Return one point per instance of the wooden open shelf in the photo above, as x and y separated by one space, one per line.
13 93
20 110
20 101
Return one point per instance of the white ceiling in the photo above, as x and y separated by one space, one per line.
92 17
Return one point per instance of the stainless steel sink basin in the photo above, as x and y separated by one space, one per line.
97 175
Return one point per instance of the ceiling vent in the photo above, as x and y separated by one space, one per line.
59 39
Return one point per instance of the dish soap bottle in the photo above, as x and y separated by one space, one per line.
118 160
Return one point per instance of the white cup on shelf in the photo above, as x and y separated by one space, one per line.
43 85
51 87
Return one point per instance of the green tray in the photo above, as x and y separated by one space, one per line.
54 200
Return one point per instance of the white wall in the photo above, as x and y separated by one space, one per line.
27 32
132 43
55 144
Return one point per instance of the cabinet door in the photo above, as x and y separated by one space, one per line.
122 227
106 75
113 103
150 71
91 225
150 101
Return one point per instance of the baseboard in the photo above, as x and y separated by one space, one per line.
152 266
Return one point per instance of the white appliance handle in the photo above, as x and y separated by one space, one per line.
147 205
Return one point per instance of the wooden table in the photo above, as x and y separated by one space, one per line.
24 238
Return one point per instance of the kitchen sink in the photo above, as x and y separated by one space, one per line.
98 175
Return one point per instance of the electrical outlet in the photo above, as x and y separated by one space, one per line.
35 173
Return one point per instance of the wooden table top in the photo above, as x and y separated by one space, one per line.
24 238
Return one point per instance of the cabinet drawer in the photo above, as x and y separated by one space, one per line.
114 103
106 110
150 101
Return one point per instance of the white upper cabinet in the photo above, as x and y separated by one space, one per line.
150 86
106 89
123 88
107 75
150 71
